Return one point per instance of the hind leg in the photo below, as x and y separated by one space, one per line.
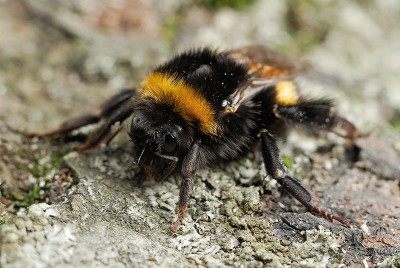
114 110
317 115
275 168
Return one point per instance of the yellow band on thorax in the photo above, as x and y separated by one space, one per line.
185 100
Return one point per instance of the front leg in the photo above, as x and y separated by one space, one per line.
276 169
188 172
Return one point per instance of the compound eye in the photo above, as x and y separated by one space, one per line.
136 119
224 103
170 144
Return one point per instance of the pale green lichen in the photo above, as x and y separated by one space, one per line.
391 262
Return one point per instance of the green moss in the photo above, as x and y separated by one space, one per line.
34 194
287 161
23 199
215 4
15 195
23 204
56 161
35 171
43 165
170 29
396 125
306 24
2 221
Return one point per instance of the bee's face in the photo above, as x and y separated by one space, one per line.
159 137
159 141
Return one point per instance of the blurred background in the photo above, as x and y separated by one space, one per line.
60 58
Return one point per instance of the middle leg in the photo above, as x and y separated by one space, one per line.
105 111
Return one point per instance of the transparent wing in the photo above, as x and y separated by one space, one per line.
266 68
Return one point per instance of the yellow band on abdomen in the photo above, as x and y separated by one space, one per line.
286 93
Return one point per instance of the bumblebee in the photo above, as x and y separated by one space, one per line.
202 106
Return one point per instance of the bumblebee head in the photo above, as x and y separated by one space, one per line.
160 138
